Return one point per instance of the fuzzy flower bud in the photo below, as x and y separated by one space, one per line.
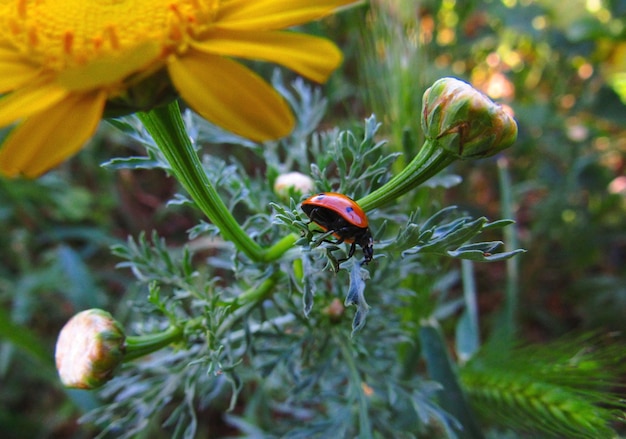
465 122
335 310
89 348
294 183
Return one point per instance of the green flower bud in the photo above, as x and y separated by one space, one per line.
89 348
293 183
465 122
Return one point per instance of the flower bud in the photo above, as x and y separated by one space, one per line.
293 183
465 122
335 310
89 348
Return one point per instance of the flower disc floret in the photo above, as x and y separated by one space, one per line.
70 34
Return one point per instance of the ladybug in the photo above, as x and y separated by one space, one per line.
346 220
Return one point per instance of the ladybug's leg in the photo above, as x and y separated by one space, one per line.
350 254
316 218
352 248
323 238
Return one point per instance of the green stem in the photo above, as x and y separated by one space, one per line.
467 330
140 345
166 126
510 244
280 248
257 293
243 303
430 160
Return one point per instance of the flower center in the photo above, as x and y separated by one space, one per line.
69 33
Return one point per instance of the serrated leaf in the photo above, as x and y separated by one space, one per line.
438 217
308 295
132 163
359 319
181 200
485 247
123 126
479 256
471 255
504 255
443 181
498 224
356 296
455 233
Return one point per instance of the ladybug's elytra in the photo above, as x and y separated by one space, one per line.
346 220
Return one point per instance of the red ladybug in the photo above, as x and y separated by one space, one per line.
346 220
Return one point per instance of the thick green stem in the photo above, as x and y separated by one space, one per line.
140 345
430 160
256 294
280 248
166 126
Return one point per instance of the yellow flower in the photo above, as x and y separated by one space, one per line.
61 61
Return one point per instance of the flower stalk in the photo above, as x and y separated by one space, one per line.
279 248
242 304
140 345
429 161
167 128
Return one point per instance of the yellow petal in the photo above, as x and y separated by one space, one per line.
230 95
313 57
110 69
273 14
47 138
23 102
15 70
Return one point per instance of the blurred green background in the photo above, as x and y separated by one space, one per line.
559 66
